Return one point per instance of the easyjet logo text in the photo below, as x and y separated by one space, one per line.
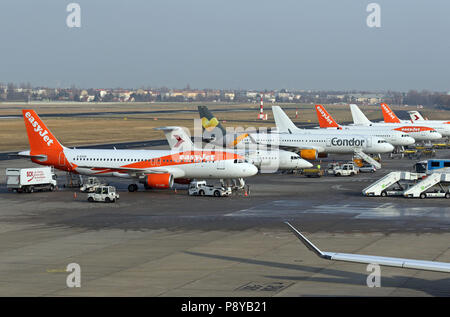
413 129
38 129
388 111
204 157
324 115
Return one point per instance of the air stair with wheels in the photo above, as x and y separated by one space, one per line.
368 159
426 183
382 186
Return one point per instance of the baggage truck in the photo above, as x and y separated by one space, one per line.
29 180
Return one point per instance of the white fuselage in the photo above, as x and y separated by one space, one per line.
324 142
443 127
418 132
187 164
396 138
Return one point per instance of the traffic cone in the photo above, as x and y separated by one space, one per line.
175 190
245 193
74 195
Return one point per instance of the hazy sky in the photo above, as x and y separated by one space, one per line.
234 44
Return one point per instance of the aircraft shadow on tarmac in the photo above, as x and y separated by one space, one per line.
439 287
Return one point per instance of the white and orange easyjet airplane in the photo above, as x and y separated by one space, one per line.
396 138
153 168
390 117
418 132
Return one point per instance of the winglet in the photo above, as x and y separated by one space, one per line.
325 119
388 115
307 243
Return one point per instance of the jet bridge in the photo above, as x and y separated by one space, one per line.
422 188
385 186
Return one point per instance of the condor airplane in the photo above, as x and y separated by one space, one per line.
416 117
394 137
390 117
418 132
313 143
153 168
310 143
266 160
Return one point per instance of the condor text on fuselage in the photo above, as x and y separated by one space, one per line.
346 142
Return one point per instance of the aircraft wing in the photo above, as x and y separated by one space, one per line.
371 259
298 148
308 147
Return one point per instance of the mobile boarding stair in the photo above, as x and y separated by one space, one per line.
438 182
368 159
392 184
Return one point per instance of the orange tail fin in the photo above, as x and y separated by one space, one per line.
388 115
42 141
325 119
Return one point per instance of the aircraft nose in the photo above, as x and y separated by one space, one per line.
304 164
389 147
409 140
250 170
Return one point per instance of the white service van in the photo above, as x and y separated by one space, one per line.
348 169
105 194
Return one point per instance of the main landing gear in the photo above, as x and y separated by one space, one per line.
132 188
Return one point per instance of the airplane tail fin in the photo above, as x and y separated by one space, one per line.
42 141
388 115
415 116
209 121
325 119
359 118
177 138
282 121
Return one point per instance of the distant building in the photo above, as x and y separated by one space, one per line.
229 95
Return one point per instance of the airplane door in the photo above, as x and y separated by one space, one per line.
221 164
62 159
158 161
369 142
328 142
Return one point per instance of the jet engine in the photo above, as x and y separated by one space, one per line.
159 180
308 154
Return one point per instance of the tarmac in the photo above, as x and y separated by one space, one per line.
166 243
